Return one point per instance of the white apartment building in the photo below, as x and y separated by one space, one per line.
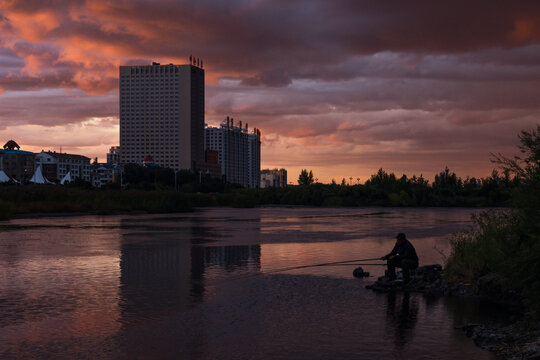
239 152
55 166
162 114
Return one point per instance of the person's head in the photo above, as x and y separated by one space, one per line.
401 238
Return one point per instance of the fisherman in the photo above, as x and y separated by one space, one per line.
403 255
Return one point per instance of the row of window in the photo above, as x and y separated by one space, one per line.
153 75
150 93
151 70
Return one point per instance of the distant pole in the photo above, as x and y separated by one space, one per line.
358 179
350 180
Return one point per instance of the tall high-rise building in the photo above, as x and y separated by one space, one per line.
162 114
239 152
254 158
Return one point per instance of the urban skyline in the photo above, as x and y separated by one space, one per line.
411 96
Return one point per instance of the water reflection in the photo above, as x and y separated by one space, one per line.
170 274
401 317
173 286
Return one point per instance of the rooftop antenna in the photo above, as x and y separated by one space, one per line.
201 64
190 57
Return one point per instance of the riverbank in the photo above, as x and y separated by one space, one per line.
520 340
16 200
36 200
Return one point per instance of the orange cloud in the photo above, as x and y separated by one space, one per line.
399 91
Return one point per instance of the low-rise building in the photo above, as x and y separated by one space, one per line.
113 156
16 163
56 165
102 174
273 178
211 165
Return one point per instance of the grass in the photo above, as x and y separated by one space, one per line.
500 244
56 199
486 248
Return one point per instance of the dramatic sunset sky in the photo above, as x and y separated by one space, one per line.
342 87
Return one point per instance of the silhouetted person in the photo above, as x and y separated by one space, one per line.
403 255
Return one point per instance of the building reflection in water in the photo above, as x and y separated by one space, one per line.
166 274
401 317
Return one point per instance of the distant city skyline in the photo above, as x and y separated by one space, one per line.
341 88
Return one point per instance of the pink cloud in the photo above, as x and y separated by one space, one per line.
348 84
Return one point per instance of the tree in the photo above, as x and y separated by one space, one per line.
526 169
305 178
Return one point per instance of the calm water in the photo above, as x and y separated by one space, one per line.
196 286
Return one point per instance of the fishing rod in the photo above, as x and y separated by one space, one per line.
363 264
335 263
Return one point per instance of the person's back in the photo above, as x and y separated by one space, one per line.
404 256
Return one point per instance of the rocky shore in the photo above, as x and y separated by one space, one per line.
513 342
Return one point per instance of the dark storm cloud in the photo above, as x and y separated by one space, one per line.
275 41
404 83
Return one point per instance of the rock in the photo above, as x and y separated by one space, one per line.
425 279
360 273
491 285
510 342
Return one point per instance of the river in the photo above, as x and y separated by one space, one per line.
209 285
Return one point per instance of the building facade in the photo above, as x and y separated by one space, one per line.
55 166
102 174
254 159
16 163
162 114
211 166
113 156
239 152
273 178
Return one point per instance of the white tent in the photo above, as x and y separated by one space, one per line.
66 178
38 177
3 177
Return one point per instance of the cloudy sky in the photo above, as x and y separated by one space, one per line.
342 87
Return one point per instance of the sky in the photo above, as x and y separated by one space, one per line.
340 87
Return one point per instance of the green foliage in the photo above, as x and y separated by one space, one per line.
5 210
507 243
305 178
484 249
